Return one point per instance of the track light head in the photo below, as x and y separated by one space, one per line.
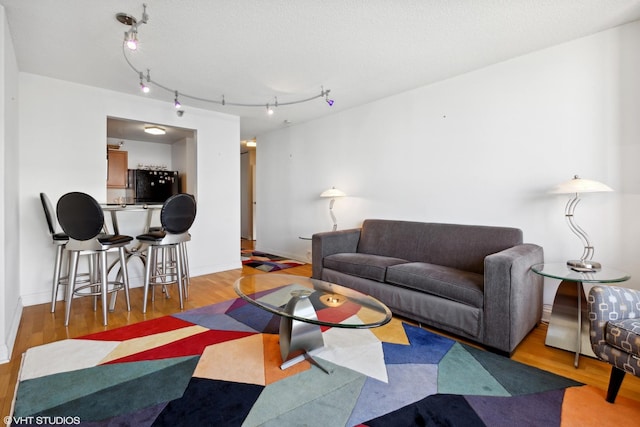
131 38
143 87
326 97
176 103
269 110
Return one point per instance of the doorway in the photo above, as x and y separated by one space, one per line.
247 193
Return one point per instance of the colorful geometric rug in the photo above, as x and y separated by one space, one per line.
219 366
267 262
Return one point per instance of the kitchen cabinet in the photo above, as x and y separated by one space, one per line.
117 165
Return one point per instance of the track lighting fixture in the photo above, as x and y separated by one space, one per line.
329 101
325 93
131 42
131 36
143 87
270 110
131 39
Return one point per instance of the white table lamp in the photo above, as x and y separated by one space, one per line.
576 186
333 192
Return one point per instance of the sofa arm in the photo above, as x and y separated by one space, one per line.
332 242
512 295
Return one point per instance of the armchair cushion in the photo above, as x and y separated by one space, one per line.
610 304
625 335
614 316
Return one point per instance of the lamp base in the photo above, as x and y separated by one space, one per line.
587 265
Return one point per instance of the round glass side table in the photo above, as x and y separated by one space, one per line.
569 323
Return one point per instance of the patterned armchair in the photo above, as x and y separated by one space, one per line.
614 316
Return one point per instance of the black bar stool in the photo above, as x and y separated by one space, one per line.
177 216
82 219
58 239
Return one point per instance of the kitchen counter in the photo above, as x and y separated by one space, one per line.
113 209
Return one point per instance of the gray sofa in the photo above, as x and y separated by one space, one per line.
469 280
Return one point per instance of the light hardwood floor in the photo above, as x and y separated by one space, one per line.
38 326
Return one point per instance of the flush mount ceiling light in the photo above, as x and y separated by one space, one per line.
154 130
131 43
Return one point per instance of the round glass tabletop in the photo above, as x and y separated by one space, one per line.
563 272
335 305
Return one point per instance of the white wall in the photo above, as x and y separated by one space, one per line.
481 148
10 306
184 155
62 146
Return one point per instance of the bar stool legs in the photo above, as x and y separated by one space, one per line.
97 287
169 270
57 274
185 263
177 215
60 280
181 275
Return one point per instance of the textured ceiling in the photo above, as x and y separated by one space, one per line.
252 51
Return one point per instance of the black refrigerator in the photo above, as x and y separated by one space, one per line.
153 186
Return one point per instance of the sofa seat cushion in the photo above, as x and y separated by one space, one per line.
367 266
624 335
456 285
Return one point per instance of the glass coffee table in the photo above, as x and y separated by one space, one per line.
305 305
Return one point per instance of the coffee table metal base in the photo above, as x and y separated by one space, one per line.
300 340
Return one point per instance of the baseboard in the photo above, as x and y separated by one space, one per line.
203 271
135 281
546 313
4 354
6 349
295 257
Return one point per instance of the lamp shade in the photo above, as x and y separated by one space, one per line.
332 192
580 185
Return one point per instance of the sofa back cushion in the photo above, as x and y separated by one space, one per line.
452 245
